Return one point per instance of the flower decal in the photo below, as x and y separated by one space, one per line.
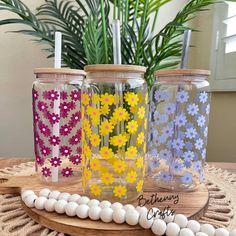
95 190
75 159
107 99
132 99
132 126
131 176
46 172
119 191
107 178
67 172
55 161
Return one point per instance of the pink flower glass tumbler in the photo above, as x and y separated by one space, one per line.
178 127
57 123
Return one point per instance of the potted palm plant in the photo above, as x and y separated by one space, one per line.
87 36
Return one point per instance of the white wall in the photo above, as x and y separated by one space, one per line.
18 57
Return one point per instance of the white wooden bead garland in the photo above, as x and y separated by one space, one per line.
83 207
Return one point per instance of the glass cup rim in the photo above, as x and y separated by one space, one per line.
183 72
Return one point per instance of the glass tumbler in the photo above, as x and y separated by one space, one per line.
114 108
178 128
57 124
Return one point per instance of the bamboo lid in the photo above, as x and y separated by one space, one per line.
64 71
183 72
115 68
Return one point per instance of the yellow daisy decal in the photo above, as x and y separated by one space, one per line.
119 166
87 174
94 115
95 98
107 178
131 176
132 126
106 152
119 140
131 152
139 186
119 191
132 99
106 128
87 151
140 138
145 124
95 140
139 162
107 99
146 98
105 110
95 190
121 114
141 112
95 164
134 109
85 99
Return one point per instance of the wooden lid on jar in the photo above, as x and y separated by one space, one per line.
58 71
190 72
115 68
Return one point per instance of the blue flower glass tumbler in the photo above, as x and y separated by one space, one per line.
178 128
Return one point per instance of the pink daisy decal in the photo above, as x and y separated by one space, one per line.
42 106
65 130
51 95
45 151
75 118
72 105
54 140
46 172
38 140
66 172
65 107
55 161
44 129
75 159
79 150
39 160
36 116
53 118
35 94
75 95
75 139
65 150
64 95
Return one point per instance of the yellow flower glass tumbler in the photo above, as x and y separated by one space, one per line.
114 111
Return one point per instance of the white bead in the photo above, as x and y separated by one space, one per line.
169 218
119 215
181 220
64 196
186 232
194 226
82 211
116 205
83 200
50 205
232 233
128 207
172 229
208 229
54 195
70 208
142 210
159 227
26 193
105 204
132 217
201 234
106 214
93 202
40 203
30 200
221 232
144 222
153 213
44 192
74 198
60 206
94 213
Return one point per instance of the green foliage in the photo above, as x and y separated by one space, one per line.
87 36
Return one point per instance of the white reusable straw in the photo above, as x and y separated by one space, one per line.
56 106
185 49
116 41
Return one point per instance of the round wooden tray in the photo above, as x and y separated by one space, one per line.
192 204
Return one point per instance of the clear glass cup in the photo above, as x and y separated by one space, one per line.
57 124
114 107
178 128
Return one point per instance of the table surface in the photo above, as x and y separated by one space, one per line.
11 161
